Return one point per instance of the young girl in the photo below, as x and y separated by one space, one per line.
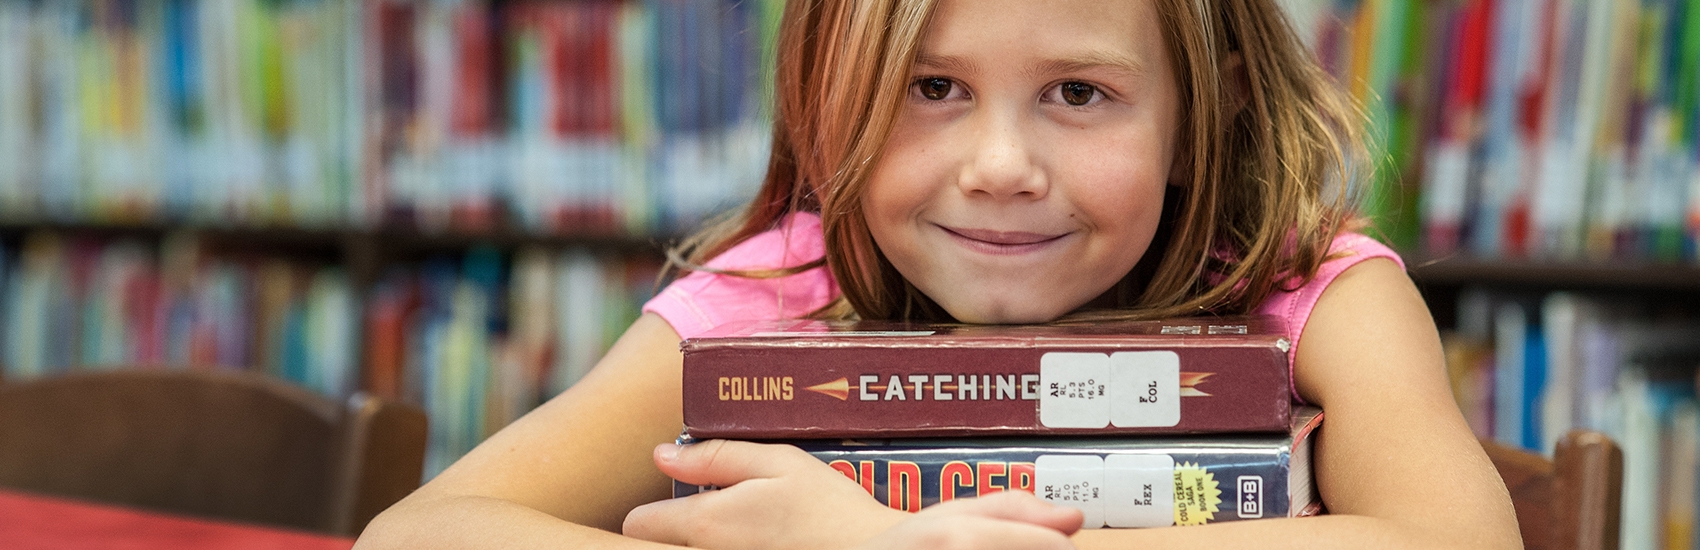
1010 161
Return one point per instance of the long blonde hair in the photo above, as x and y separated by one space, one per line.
1270 150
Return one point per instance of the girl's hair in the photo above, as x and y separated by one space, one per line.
1268 151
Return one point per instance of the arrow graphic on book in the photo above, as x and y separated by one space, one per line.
840 389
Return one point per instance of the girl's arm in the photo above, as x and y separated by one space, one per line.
583 457
1395 462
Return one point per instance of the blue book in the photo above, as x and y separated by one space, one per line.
180 75
1534 386
1116 482
293 354
1508 328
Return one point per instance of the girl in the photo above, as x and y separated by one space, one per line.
1010 161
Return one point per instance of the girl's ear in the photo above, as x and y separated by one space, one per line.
1236 91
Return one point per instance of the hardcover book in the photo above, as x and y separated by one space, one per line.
1117 482
803 379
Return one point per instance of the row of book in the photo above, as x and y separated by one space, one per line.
482 341
1526 369
72 303
1136 424
1525 128
586 116
476 339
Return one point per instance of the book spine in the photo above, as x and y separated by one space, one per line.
796 392
1153 485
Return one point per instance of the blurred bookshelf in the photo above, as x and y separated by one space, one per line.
455 203
1537 162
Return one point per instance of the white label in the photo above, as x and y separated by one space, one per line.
1182 329
1146 386
1074 390
1139 491
1226 329
1074 481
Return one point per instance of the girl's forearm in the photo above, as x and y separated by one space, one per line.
1323 532
458 521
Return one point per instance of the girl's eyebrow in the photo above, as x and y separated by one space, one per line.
1092 60
1089 61
947 63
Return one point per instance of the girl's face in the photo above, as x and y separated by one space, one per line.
1025 174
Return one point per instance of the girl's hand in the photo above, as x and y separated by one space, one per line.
777 496
771 496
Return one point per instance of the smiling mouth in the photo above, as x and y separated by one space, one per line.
1002 242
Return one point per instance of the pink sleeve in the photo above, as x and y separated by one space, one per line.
1295 306
702 300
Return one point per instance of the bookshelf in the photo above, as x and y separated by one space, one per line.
1578 275
1674 287
1549 130
457 204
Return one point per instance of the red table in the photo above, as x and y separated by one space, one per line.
32 522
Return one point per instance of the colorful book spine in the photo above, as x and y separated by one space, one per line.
1115 482
1550 129
465 116
812 379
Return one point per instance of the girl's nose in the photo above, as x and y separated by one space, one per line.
1002 166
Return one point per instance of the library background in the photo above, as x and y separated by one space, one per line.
460 203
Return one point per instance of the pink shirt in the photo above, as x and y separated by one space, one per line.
702 300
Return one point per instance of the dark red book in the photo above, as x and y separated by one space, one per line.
818 379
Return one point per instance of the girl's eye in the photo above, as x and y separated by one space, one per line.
935 89
1077 94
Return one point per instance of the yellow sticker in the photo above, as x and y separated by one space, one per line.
1197 497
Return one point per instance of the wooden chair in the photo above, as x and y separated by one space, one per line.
1570 502
232 446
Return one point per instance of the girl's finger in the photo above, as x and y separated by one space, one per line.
725 463
1015 506
662 521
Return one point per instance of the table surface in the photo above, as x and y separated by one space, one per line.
30 522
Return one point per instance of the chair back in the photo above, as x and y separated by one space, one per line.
1571 502
226 445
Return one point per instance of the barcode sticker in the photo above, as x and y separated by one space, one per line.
1146 386
1074 481
1139 490
1074 390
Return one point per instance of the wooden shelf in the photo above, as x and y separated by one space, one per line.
1545 274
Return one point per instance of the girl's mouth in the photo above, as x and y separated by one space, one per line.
1002 242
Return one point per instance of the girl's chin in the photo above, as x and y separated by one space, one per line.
1005 313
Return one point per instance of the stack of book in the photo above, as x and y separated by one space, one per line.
1137 424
